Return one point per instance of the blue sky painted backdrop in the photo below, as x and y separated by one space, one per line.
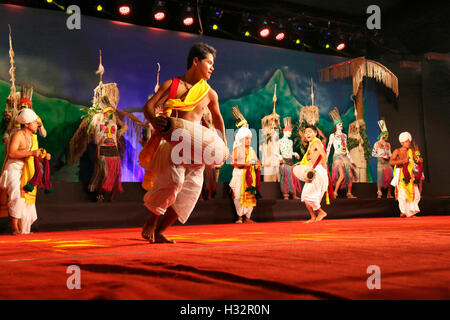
61 63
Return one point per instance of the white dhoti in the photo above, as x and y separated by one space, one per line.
313 192
236 185
176 186
17 208
409 208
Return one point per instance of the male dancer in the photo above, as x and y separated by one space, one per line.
313 191
18 169
177 187
406 192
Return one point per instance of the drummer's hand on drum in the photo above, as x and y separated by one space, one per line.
159 123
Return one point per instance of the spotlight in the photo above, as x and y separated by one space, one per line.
213 20
340 46
188 16
280 33
264 31
159 11
188 21
125 10
246 26
99 8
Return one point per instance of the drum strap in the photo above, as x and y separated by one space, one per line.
174 88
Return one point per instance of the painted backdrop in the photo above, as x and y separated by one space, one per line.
61 64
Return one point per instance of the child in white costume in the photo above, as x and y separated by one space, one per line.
313 190
406 191
22 148
244 158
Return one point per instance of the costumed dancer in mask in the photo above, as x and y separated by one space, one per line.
22 164
406 191
289 184
343 169
382 151
103 126
174 187
314 188
246 175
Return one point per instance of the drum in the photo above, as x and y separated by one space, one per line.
205 145
304 173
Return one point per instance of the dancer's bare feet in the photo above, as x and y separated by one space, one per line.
148 232
295 197
389 196
239 220
350 196
403 215
248 220
311 220
322 214
160 238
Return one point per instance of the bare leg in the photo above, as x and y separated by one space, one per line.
113 191
321 214
350 185
389 193
15 226
339 181
168 219
312 214
379 193
148 230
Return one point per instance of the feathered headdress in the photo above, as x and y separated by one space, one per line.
239 117
335 116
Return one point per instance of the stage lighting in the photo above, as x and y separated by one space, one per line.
125 10
280 33
159 11
99 8
188 21
187 16
340 46
264 31
246 26
213 20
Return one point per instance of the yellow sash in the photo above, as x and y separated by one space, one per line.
248 199
305 156
305 162
408 187
28 173
196 94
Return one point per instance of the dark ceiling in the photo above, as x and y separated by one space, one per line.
408 29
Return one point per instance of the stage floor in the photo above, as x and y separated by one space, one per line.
273 260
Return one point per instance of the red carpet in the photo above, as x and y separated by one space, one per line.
282 260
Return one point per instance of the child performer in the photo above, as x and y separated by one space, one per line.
406 192
289 184
313 191
246 176
344 172
382 151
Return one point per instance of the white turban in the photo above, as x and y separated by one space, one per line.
26 115
241 134
404 136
